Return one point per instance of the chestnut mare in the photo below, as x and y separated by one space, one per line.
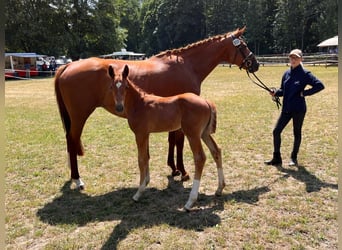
148 113
84 85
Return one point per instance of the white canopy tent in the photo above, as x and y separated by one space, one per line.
333 41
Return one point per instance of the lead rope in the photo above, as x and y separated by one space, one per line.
260 84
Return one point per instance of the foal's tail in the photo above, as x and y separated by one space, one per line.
63 110
211 126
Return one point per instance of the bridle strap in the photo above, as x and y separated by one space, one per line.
238 44
262 85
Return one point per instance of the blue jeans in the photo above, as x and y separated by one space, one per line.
285 117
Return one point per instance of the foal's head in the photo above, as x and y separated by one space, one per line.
242 56
119 86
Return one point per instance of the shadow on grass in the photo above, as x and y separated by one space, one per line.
154 208
312 183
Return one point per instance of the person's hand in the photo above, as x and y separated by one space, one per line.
273 91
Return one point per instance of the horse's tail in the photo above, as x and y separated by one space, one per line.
61 105
63 110
211 126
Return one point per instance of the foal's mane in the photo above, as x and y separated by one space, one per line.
137 88
196 44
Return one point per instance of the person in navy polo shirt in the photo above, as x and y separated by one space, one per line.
293 91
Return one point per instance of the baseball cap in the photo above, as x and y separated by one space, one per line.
296 52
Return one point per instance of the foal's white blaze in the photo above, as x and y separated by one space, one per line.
193 195
118 84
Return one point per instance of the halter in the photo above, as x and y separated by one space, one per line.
247 61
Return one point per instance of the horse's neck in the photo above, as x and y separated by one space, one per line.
208 57
205 57
134 96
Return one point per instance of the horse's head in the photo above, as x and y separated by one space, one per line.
242 56
119 86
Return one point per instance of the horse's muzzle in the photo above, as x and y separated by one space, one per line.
119 108
250 63
254 66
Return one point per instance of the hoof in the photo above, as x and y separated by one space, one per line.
219 192
136 197
185 177
188 210
176 173
79 184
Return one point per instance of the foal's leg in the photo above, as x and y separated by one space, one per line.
143 158
216 153
199 158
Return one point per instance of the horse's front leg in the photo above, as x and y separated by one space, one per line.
143 158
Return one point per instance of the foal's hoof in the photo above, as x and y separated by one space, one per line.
188 210
185 177
175 173
79 184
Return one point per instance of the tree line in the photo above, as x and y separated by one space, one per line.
84 28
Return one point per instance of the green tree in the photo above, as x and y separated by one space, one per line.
107 36
128 12
149 28
83 28
171 24
78 28
27 26
180 23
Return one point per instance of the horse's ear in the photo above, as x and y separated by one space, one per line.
125 72
242 30
111 71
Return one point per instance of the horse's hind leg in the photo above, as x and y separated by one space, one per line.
75 148
180 145
170 156
176 139
216 154
199 159
143 158
72 155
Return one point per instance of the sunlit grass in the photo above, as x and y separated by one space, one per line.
262 207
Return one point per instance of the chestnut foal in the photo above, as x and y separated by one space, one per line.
147 113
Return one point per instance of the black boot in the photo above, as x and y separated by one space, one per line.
276 160
293 161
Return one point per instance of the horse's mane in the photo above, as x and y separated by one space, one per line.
237 32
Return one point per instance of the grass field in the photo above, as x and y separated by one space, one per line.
262 207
